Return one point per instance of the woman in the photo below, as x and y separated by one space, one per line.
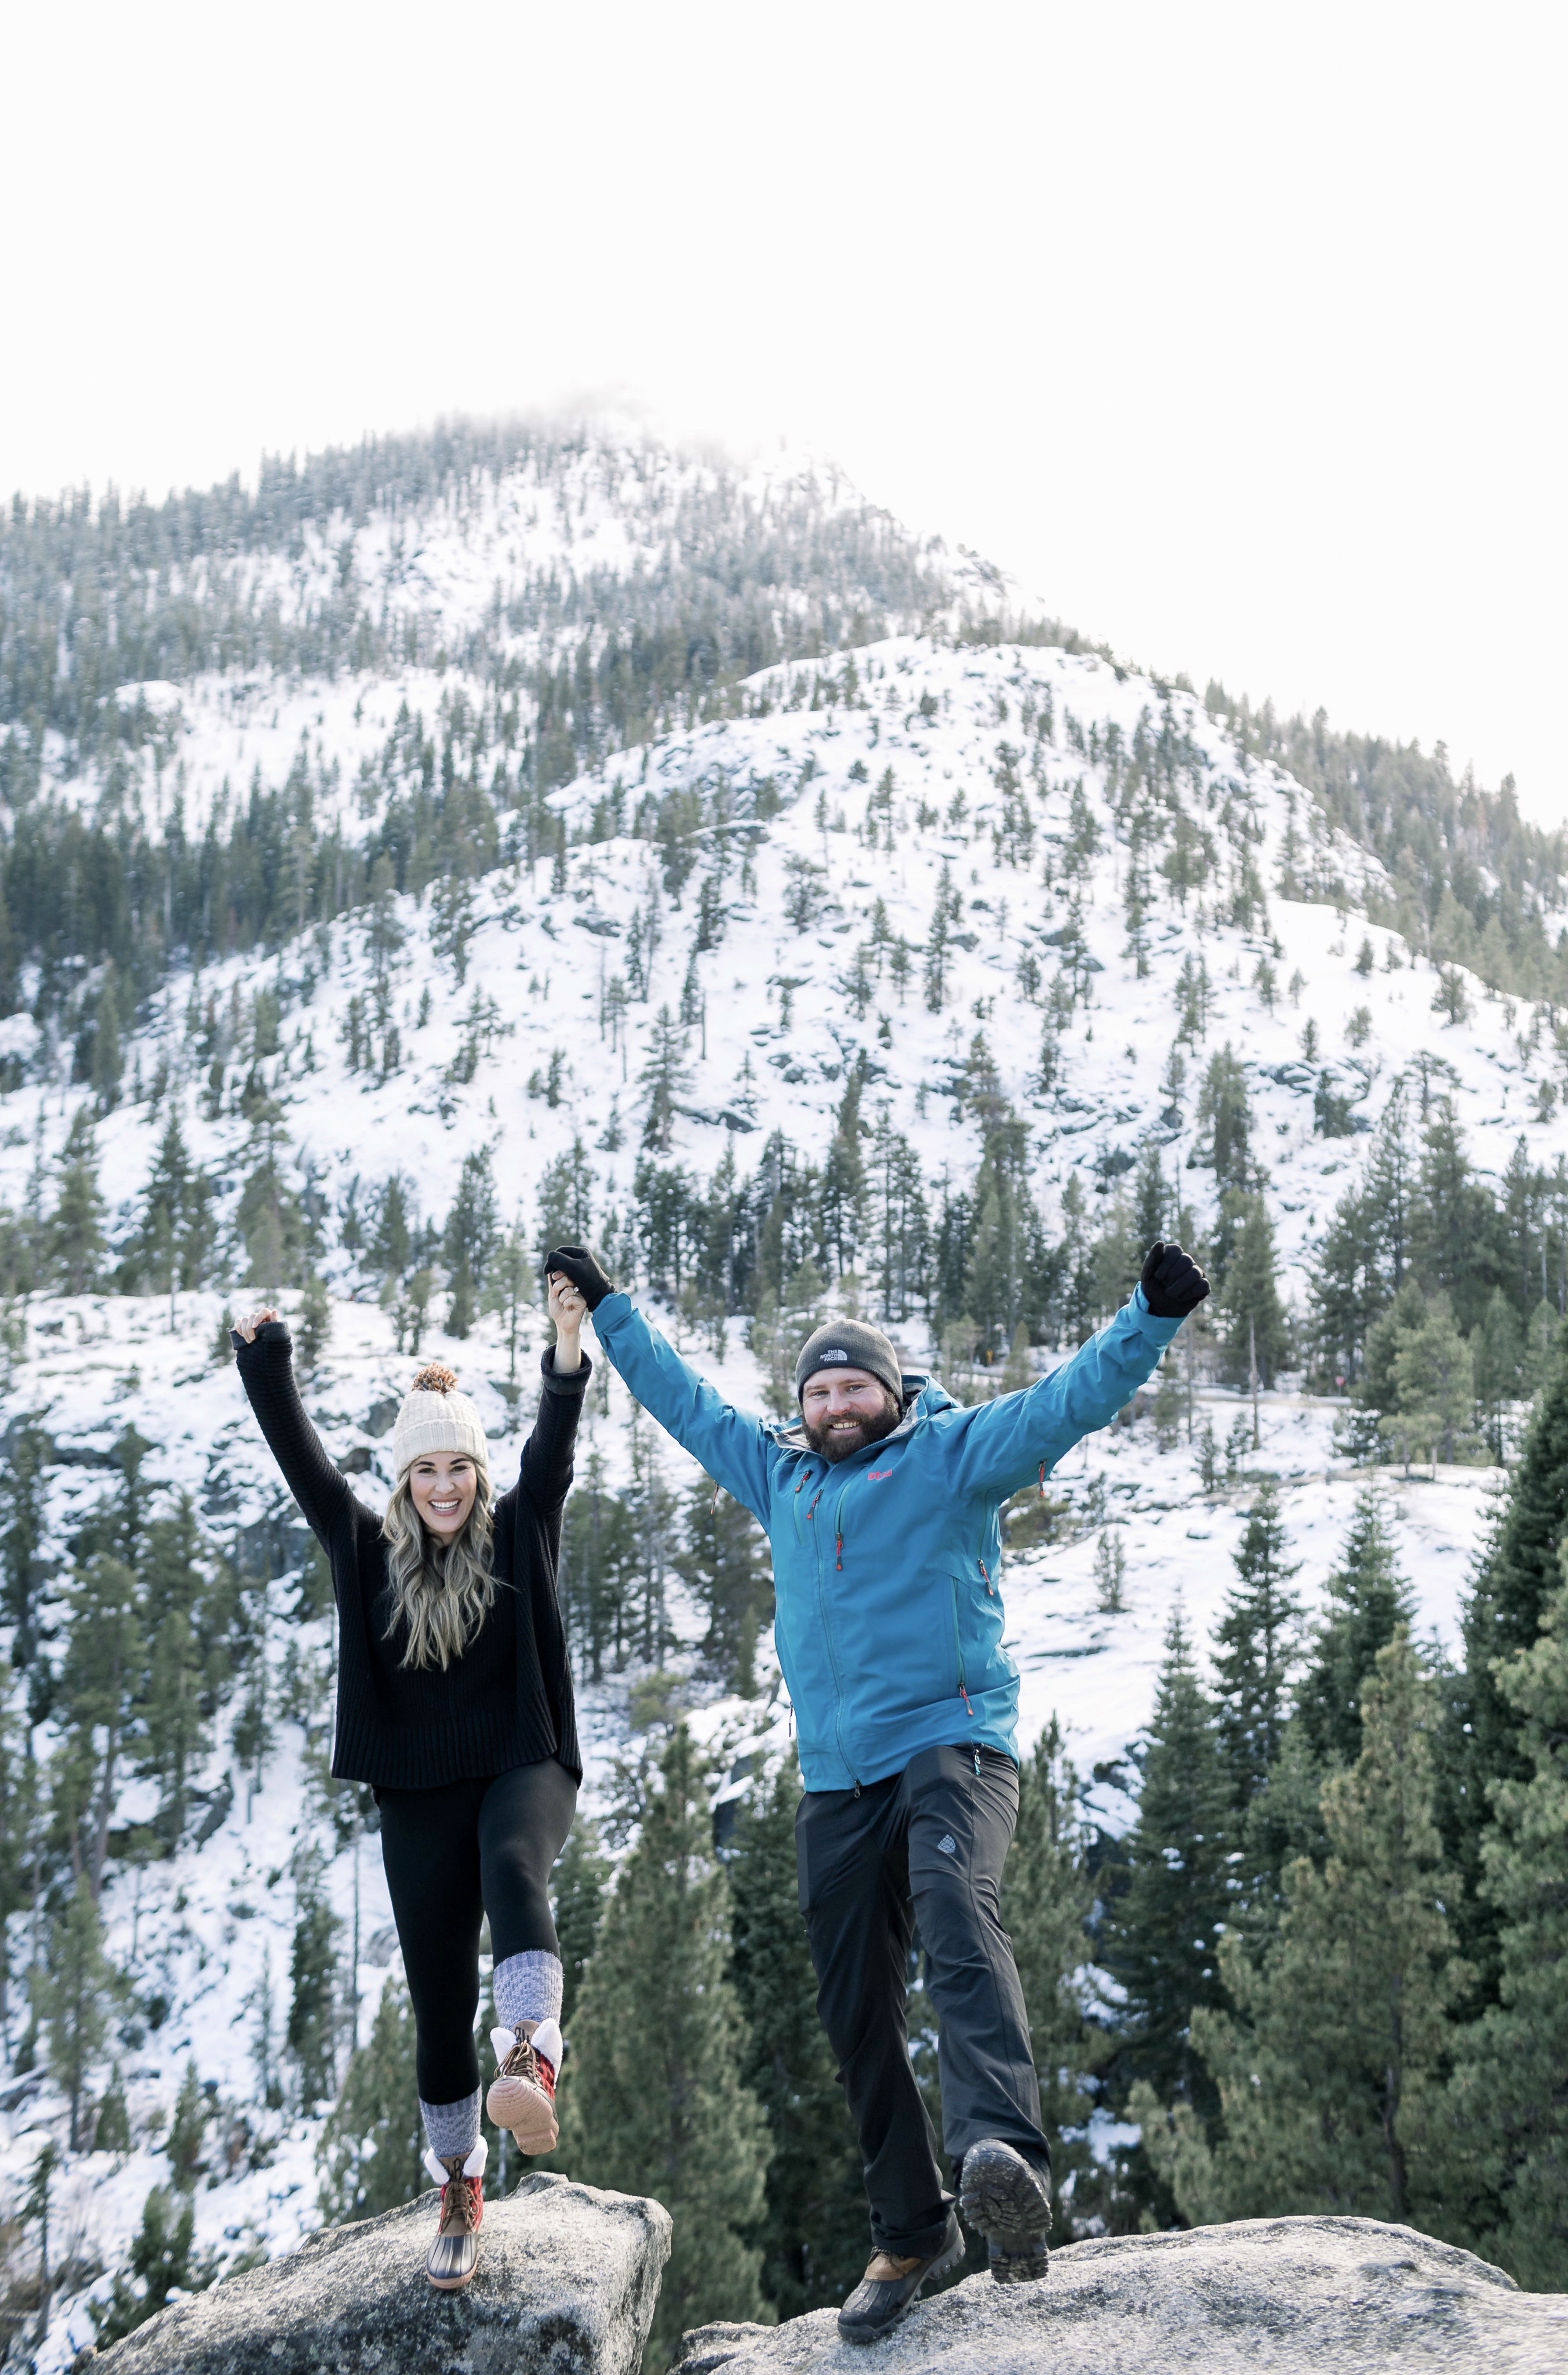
455 1702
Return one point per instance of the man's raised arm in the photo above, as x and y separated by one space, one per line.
1007 1442
736 1450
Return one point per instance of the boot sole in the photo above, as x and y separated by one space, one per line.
860 2337
454 2284
527 2113
998 2196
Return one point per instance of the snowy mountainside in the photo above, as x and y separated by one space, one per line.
985 787
455 585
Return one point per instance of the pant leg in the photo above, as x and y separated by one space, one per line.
524 1816
430 1845
855 1896
961 1826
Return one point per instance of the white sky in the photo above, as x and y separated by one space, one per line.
1236 332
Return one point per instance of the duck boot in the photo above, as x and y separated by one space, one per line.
890 2287
522 2095
455 2254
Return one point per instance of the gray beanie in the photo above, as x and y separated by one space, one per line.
850 1344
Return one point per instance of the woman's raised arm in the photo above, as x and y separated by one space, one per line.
264 1356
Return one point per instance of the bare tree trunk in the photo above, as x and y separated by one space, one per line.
1252 1367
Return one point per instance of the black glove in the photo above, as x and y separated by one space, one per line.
1172 1281
576 1263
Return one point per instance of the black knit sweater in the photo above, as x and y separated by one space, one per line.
507 1700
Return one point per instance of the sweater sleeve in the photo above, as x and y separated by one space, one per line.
266 1372
548 1454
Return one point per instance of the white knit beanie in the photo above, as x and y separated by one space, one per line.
436 1417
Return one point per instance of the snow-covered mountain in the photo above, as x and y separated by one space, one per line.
874 854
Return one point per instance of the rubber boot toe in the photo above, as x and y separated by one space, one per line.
890 2287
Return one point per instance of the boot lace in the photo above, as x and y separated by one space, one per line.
460 2198
522 2062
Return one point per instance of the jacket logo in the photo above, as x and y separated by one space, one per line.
947 1844
878 1475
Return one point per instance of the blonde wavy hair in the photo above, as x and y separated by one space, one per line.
441 1592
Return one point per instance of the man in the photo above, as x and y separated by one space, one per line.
882 1508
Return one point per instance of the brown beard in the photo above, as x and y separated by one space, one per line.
843 1447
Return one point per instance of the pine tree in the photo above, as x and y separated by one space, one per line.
1510 2099
724 1563
176 1730
1497 1350
23 1506
391 1244
597 1562
1330 2070
315 1324
1224 1120
577 1889
652 2097
112 2131
187 2131
100 1680
1517 1578
1162 1929
1110 1573
1368 1603
813 2229
75 1240
471 1239
841 1193
1252 1313
71 1991
108 1054
664 1080
160 2264
1254 1649
371 2145
1433 1385
311 2034
1047 1897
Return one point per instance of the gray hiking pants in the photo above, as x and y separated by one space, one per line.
923 1847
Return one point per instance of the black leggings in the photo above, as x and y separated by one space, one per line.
451 1856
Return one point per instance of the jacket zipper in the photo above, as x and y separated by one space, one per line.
958 1651
828 1637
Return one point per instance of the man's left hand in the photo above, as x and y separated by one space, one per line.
1172 1281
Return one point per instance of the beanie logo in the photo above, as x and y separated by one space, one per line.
833 1352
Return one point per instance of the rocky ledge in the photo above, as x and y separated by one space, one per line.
567 2284
1291 2296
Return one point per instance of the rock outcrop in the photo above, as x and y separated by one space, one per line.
567 2286
1291 2296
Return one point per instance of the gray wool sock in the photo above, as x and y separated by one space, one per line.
528 1987
452 2127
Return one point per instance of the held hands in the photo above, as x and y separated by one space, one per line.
247 1327
567 1308
579 1268
1172 1281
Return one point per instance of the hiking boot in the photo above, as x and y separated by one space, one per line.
522 2095
890 2287
455 2254
1009 2200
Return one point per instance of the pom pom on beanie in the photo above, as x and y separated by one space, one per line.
436 1417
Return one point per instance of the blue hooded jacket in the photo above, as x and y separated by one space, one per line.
888 1627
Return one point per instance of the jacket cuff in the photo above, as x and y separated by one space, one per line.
616 1306
577 1383
1151 1322
271 1336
